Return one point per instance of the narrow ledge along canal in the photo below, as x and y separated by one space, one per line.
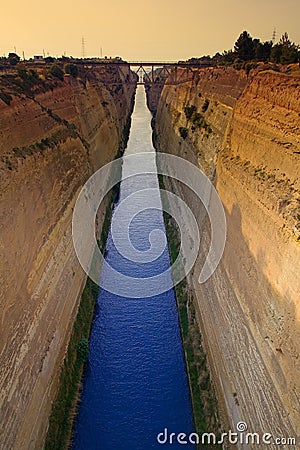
135 382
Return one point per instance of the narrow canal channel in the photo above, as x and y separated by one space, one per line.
135 385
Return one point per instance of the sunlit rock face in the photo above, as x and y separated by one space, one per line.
49 145
247 141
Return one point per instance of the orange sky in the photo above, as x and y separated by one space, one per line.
136 30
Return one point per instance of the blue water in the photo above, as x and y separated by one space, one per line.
135 384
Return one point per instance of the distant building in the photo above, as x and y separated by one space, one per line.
39 59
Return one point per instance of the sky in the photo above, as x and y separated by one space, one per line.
159 30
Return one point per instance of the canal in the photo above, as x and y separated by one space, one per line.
135 384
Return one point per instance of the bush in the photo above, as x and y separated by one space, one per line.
198 119
205 105
72 69
6 98
57 72
13 59
49 59
250 65
33 74
82 350
22 73
238 65
183 132
189 110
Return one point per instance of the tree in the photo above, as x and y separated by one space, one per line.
276 53
265 50
262 50
244 47
285 41
228 56
286 51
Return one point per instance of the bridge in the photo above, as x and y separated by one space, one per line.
152 72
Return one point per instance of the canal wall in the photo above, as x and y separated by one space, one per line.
243 133
52 139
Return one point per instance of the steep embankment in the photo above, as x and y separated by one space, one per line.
244 133
50 144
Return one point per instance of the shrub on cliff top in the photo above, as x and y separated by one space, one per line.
57 72
250 65
13 59
71 69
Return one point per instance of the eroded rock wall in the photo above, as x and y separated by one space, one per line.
50 144
247 141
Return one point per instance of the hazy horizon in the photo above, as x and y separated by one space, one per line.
159 30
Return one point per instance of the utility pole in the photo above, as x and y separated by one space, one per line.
101 52
82 47
274 35
23 56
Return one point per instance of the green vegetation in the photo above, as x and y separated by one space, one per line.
72 69
189 110
285 52
205 105
58 137
83 350
197 119
247 49
57 72
183 132
13 59
244 47
22 81
60 422
249 66
6 98
202 392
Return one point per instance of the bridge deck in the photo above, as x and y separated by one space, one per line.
141 63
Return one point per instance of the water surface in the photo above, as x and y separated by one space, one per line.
135 383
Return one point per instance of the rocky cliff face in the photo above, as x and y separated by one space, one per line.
50 143
244 133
